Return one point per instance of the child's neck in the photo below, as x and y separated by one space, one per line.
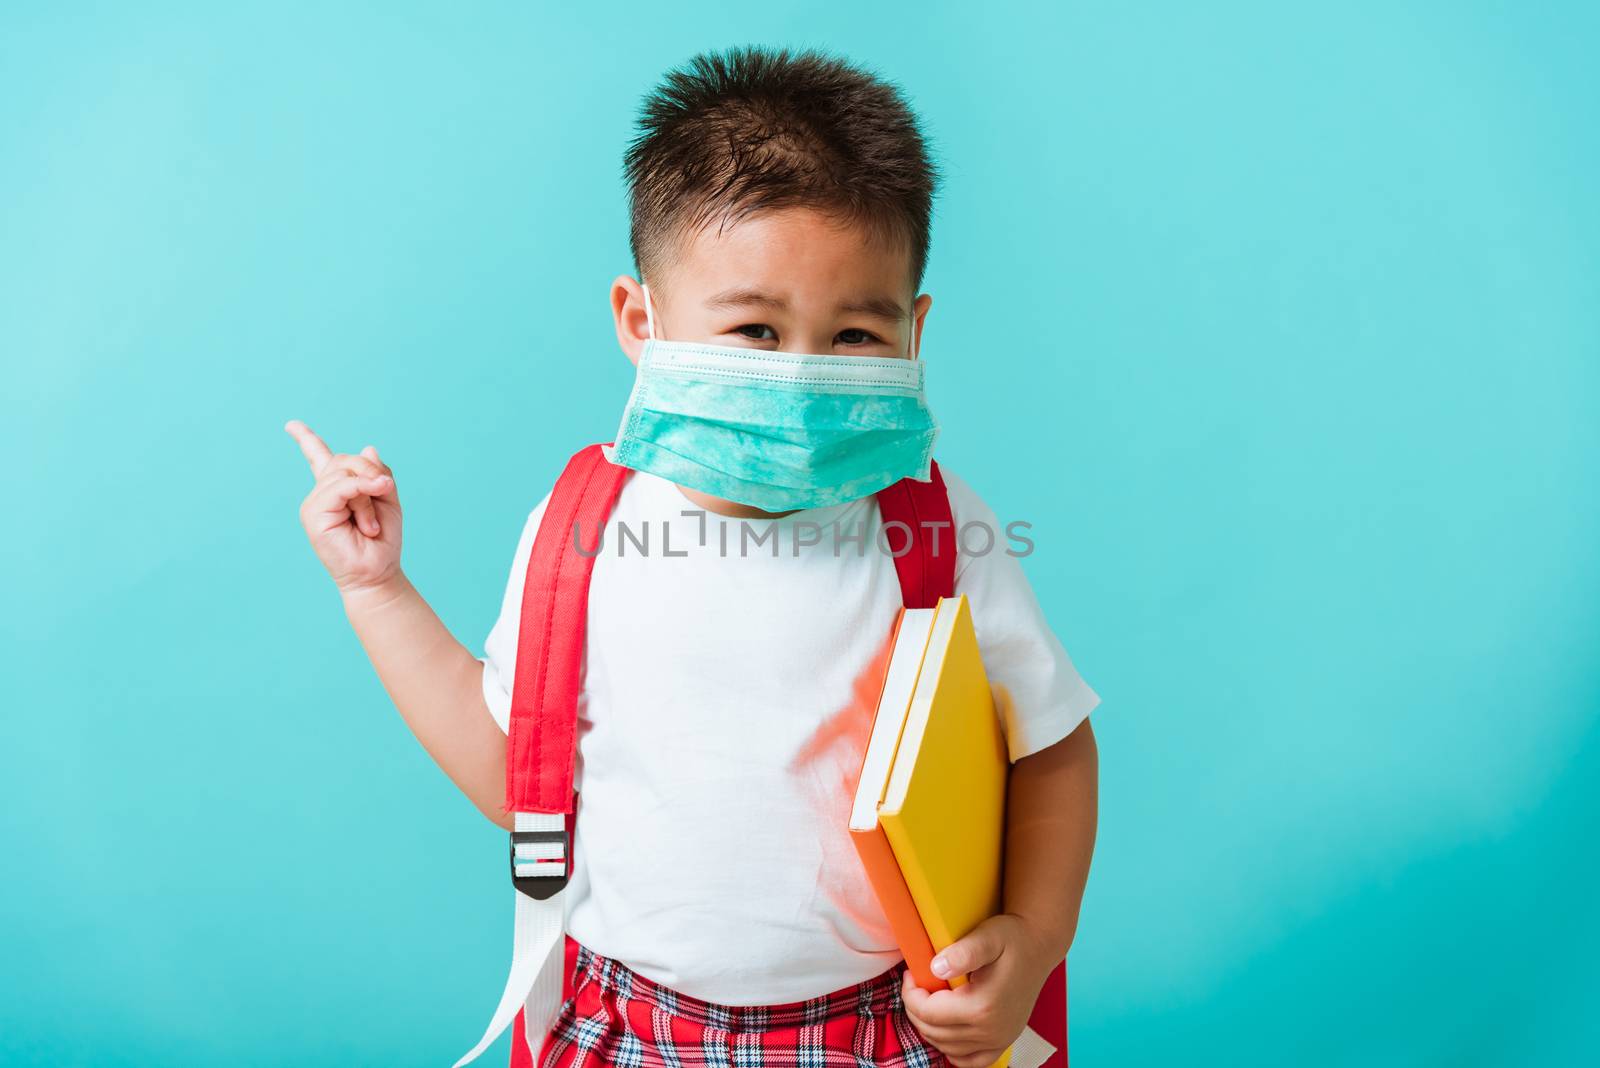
731 509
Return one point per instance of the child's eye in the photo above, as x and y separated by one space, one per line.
848 337
757 327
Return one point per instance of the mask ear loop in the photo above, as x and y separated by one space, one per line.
911 342
649 314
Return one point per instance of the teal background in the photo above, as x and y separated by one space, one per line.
1280 325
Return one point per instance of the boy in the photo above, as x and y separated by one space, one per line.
780 204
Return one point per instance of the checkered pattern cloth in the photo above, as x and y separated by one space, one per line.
618 1017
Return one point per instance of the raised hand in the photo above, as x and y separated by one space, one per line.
352 514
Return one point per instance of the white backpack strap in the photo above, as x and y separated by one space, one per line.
1029 1050
539 847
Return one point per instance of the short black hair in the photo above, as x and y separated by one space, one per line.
732 133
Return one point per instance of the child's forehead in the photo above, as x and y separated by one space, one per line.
786 251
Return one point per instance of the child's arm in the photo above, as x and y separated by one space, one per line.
352 516
438 687
1052 810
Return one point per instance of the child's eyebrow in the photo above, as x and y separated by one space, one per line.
886 308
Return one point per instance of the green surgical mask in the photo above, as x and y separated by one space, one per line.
777 431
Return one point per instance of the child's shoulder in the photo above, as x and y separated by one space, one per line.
640 494
966 504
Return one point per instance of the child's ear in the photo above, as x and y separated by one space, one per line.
919 314
627 308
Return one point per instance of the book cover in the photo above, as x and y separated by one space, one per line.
943 810
908 643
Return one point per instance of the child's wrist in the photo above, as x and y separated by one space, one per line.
1043 945
375 596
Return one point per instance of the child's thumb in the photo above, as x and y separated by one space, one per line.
967 954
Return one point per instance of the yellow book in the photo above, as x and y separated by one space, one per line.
944 808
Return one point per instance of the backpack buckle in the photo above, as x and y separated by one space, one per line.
539 862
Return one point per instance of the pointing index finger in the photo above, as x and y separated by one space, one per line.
316 451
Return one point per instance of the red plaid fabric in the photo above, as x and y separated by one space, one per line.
616 1016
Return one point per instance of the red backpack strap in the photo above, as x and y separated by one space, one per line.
922 538
541 748
1049 1015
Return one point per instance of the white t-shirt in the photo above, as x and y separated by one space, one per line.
726 704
